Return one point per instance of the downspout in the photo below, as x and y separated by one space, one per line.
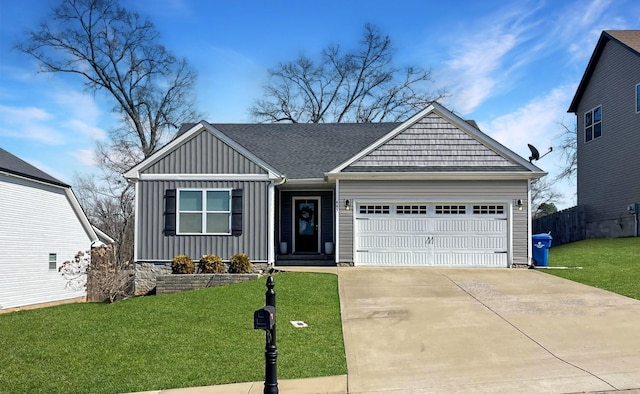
271 237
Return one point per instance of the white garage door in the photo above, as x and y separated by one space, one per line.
438 234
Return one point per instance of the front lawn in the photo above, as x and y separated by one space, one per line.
196 338
610 264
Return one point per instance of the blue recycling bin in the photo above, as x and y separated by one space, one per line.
541 244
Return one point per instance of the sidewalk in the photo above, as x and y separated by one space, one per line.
325 385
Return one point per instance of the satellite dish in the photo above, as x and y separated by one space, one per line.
535 155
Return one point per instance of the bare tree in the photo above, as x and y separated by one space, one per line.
115 51
361 85
569 149
543 195
109 206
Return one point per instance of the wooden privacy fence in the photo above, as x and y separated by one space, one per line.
565 226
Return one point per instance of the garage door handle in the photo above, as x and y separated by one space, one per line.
501 252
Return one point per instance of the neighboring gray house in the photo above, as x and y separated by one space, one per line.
433 190
607 107
42 226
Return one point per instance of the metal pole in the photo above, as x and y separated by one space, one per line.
271 353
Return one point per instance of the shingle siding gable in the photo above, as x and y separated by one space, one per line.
433 143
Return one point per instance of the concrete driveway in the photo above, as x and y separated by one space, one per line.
485 330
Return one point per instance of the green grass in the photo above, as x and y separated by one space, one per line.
610 264
195 338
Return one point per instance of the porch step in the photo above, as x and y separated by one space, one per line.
305 262
289 260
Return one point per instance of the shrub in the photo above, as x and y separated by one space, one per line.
182 264
240 264
210 264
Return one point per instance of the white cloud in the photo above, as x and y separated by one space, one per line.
485 56
83 114
538 123
535 123
475 65
85 156
29 123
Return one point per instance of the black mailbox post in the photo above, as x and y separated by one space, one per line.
265 319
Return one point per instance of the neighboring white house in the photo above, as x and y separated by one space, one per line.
42 225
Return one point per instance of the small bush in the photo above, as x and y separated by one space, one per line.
240 264
182 264
210 264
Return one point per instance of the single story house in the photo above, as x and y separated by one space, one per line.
43 226
433 190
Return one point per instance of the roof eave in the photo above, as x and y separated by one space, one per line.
593 61
444 175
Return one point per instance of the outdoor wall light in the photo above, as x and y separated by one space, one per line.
519 205
347 205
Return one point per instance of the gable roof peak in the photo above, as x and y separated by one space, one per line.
629 39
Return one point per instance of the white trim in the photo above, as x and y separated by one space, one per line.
136 211
204 211
452 118
134 173
318 221
307 181
423 176
271 219
336 226
529 228
81 215
204 177
510 234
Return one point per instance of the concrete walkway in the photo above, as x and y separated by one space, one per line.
428 330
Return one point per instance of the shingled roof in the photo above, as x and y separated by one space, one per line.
14 165
310 149
629 39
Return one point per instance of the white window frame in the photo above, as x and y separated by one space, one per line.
593 123
53 259
638 98
203 212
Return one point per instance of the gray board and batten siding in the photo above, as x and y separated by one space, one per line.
438 192
202 154
608 177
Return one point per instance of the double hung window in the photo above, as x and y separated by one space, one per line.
593 124
205 211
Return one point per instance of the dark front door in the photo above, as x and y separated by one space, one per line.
306 220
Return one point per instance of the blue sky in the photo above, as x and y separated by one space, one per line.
513 66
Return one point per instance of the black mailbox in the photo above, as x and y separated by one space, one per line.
264 318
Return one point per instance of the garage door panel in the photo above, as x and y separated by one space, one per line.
376 241
373 226
440 235
480 259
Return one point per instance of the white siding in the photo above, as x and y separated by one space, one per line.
36 220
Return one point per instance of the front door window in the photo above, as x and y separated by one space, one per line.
306 226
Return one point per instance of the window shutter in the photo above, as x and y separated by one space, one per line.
170 212
236 212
